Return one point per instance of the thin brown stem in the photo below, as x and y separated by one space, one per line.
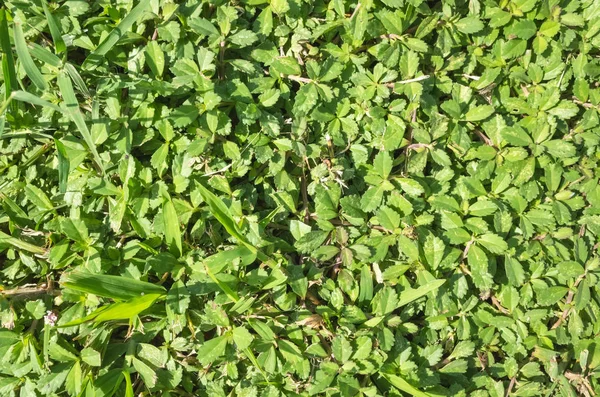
568 307
484 138
513 380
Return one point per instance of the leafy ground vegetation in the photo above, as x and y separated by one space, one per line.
297 198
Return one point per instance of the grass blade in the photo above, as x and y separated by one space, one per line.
22 245
410 295
8 62
42 54
224 287
31 69
63 166
127 310
34 100
221 212
59 43
72 106
172 230
118 311
115 287
126 23
77 80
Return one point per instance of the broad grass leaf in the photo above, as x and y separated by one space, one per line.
172 229
115 287
411 295
128 309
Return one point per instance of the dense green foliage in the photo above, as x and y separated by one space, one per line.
296 197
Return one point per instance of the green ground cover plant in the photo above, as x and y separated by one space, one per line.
297 198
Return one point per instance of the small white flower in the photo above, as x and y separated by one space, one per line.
50 318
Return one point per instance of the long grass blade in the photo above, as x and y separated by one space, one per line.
115 287
59 43
126 23
224 287
8 62
72 107
31 69
221 212
127 310
77 80
24 96
20 244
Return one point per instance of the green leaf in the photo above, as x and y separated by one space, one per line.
551 295
410 186
388 218
155 58
172 230
382 164
468 25
493 243
342 350
212 349
479 113
286 66
91 357
242 338
404 386
38 197
434 251
478 264
221 260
